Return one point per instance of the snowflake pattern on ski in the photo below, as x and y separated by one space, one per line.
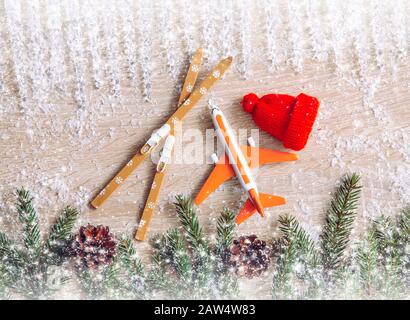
129 163
194 68
216 74
142 223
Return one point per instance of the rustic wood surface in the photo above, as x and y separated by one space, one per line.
307 184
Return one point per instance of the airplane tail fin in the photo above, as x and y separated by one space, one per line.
267 200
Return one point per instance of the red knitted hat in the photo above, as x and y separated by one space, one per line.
285 117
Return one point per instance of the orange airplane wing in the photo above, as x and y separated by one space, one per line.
259 156
268 200
223 170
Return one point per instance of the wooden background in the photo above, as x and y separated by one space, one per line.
307 184
43 151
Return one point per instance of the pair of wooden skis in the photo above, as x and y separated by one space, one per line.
187 101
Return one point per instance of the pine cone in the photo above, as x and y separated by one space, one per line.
249 256
94 246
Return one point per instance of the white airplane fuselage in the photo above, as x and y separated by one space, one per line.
236 157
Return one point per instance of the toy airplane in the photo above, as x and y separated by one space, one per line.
234 163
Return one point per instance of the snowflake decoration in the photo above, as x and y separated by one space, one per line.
187 102
202 90
129 164
102 192
118 180
151 205
216 74
142 223
189 88
194 68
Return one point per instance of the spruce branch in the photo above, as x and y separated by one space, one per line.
101 283
225 227
157 277
129 257
366 259
189 219
28 216
339 222
61 230
162 274
404 244
4 290
5 245
9 253
195 237
404 225
295 235
178 254
384 232
111 275
29 271
87 283
393 241
294 246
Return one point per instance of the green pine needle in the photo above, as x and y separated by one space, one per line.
296 236
28 216
128 257
295 245
61 230
366 258
4 245
189 219
392 239
387 239
404 225
225 228
339 222
178 253
28 270
384 232
10 254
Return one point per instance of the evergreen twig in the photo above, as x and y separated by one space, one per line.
225 228
27 270
129 257
404 225
339 222
189 219
101 283
384 232
28 216
295 245
63 226
392 240
179 253
178 273
367 262
5 245
9 253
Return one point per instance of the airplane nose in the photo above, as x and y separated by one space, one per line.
257 202
212 107
259 207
